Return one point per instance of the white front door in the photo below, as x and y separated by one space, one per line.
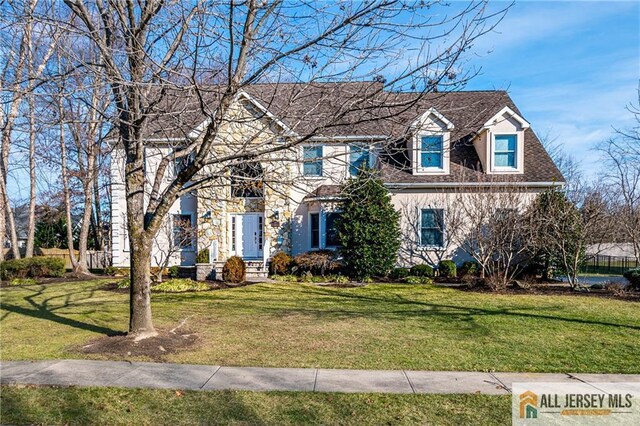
247 237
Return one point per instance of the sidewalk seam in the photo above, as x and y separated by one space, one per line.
315 380
409 380
209 379
124 374
42 369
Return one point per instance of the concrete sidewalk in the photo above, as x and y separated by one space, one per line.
206 377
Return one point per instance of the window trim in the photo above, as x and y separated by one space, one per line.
443 230
317 159
516 153
417 152
422 151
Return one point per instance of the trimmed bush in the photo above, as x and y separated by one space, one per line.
447 268
633 275
317 262
399 273
174 271
281 264
23 281
33 267
203 256
418 280
468 268
234 270
422 271
179 285
110 271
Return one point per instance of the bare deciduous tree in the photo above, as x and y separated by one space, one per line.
621 157
492 229
156 52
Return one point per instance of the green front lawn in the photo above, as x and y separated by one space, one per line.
373 327
111 406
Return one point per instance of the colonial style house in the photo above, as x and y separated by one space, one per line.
427 148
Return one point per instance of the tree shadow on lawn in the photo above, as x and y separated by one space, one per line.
378 306
125 406
46 310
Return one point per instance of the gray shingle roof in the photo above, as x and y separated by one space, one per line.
365 109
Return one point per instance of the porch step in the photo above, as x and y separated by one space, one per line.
254 269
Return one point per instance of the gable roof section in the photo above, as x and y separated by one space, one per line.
509 112
432 111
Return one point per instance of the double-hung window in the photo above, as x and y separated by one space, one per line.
432 228
431 152
312 160
358 159
504 151
323 230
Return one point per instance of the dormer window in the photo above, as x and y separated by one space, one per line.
500 143
430 143
432 152
505 151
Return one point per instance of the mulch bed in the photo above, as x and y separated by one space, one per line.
554 289
166 342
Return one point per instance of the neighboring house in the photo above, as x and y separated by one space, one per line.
428 149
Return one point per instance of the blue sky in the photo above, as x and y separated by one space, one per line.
571 67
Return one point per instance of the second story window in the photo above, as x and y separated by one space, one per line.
431 152
358 159
312 160
504 151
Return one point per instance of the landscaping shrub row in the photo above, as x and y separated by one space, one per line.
174 285
33 267
322 266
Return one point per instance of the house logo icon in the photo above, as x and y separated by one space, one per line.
528 405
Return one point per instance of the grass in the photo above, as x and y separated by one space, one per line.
373 327
109 406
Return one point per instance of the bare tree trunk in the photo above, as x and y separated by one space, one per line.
140 319
8 213
81 268
97 212
65 188
31 227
